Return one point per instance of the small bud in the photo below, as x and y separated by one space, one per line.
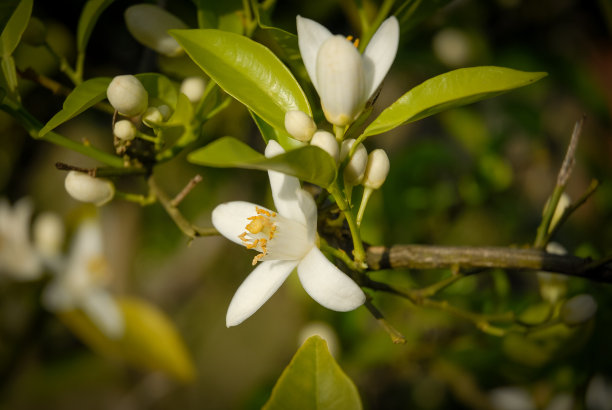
377 169
127 95
149 25
327 142
564 203
193 88
355 169
152 117
578 309
300 125
165 111
85 188
124 130
49 234
35 33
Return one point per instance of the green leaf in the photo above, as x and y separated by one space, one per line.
270 133
314 381
14 28
89 17
452 89
224 15
161 90
150 339
247 71
308 163
7 8
84 96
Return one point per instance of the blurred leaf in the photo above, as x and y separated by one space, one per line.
308 163
7 8
270 133
448 90
150 339
89 17
413 12
246 70
161 90
14 27
313 380
84 96
224 15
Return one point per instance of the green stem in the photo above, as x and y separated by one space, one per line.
339 132
367 192
63 65
358 250
142 200
383 12
396 336
339 254
549 211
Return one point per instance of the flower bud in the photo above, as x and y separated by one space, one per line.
193 88
355 169
564 203
300 125
152 117
165 111
327 142
85 188
377 169
124 130
49 234
127 95
149 25
578 309
35 33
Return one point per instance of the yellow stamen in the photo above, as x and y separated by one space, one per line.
355 41
260 225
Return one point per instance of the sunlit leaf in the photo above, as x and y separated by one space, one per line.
84 96
89 17
161 90
246 70
308 163
452 89
150 339
314 381
14 28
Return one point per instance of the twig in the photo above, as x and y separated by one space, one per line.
396 336
102 172
190 185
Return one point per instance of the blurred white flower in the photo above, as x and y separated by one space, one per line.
344 78
452 47
149 24
325 331
193 88
578 309
599 393
286 240
18 256
81 283
511 398
49 234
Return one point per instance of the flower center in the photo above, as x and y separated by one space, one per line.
258 232
355 42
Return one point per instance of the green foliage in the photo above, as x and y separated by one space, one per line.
313 380
89 17
448 90
222 15
7 8
14 28
160 89
308 163
246 70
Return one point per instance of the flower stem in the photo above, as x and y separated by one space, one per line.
339 131
358 250
367 192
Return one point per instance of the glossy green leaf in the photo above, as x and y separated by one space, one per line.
452 89
84 96
14 28
246 70
7 8
161 90
270 133
89 17
314 381
308 163
150 339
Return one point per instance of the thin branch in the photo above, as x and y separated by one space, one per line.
396 336
190 185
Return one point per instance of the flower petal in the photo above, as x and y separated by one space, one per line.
230 218
327 284
256 289
309 208
284 188
379 54
103 311
310 37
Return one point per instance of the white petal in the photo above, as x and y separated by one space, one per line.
104 313
327 284
379 54
230 218
310 37
56 297
309 209
256 289
284 188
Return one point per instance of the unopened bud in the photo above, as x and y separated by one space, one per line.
49 234
327 142
165 111
35 33
355 169
300 125
85 188
149 25
193 88
127 95
124 130
578 309
377 169
152 117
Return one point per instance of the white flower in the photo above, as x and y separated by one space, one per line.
149 24
345 79
18 257
85 188
81 283
286 240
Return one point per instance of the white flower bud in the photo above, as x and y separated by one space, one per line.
149 25
300 125
578 309
152 117
327 142
377 169
193 88
85 188
124 130
355 169
49 233
127 95
165 111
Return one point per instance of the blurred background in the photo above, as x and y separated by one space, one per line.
477 175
